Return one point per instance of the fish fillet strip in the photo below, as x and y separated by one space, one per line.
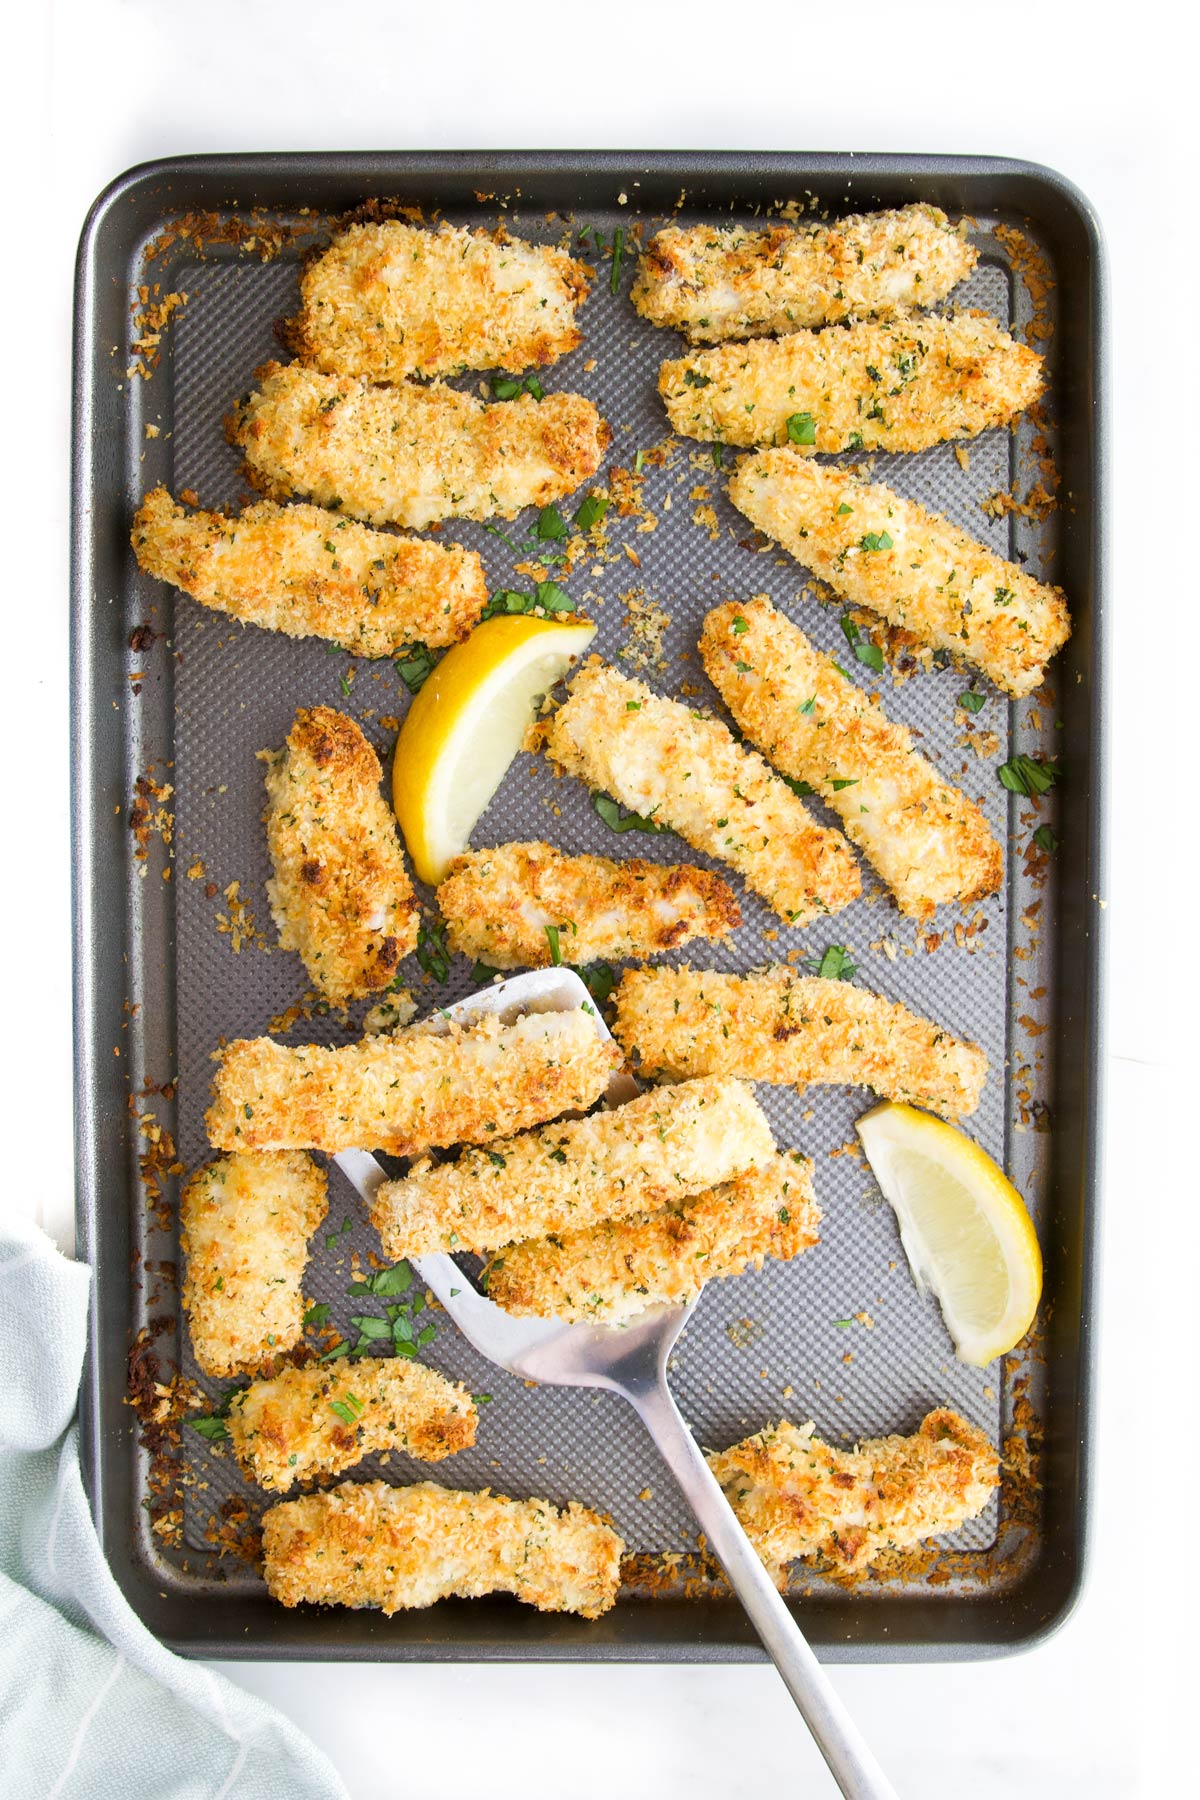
297 570
714 283
410 454
663 760
656 1149
368 1544
607 1274
913 568
799 1497
900 384
388 300
245 1221
798 1030
500 906
927 840
340 894
316 1421
407 1091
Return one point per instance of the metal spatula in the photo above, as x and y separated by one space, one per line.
631 1361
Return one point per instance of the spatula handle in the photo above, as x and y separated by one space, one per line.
841 1744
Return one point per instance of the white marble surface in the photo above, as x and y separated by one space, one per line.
1102 1710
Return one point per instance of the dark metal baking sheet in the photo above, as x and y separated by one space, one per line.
158 982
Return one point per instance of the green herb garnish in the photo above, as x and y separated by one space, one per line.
1022 775
432 954
591 512
416 668
802 428
837 964
611 813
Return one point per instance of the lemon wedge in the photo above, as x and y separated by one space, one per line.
963 1225
465 726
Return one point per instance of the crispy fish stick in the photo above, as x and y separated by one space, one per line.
714 283
390 300
900 384
799 1497
322 1419
245 1222
296 570
910 566
368 1544
411 455
406 1091
656 1149
928 841
526 905
794 1029
665 761
611 1272
340 894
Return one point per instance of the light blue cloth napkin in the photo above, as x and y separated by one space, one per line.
92 1707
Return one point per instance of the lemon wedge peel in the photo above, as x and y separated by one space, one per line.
965 1229
465 727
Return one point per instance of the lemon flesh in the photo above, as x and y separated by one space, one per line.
964 1227
465 726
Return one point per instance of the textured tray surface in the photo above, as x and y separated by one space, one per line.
768 1345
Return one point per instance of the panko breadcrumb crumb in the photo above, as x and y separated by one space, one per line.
799 1497
611 1272
927 840
714 283
340 894
411 455
388 300
668 762
245 1221
410 1090
794 1029
317 1421
297 570
912 567
525 906
901 384
653 1150
368 1544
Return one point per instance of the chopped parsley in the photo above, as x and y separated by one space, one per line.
614 280
837 964
1022 775
599 981
387 1282
802 428
416 668
547 595
483 972
1046 838
497 1161
740 625
875 540
318 1314
843 508
972 702
610 811
801 789
432 954
694 379
507 387
551 524
591 512
349 1410
212 1426
552 939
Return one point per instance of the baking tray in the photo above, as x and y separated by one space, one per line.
165 964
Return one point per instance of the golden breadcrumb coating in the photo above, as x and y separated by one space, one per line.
927 840
653 1150
389 300
667 762
409 1090
411 455
609 1273
244 1225
340 894
368 1544
900 384
297 570
795 1029
912 567
714 283
319 1420
498 904
799 1497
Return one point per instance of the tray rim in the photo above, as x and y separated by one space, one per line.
662 1643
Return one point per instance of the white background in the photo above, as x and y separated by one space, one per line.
1103 1709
